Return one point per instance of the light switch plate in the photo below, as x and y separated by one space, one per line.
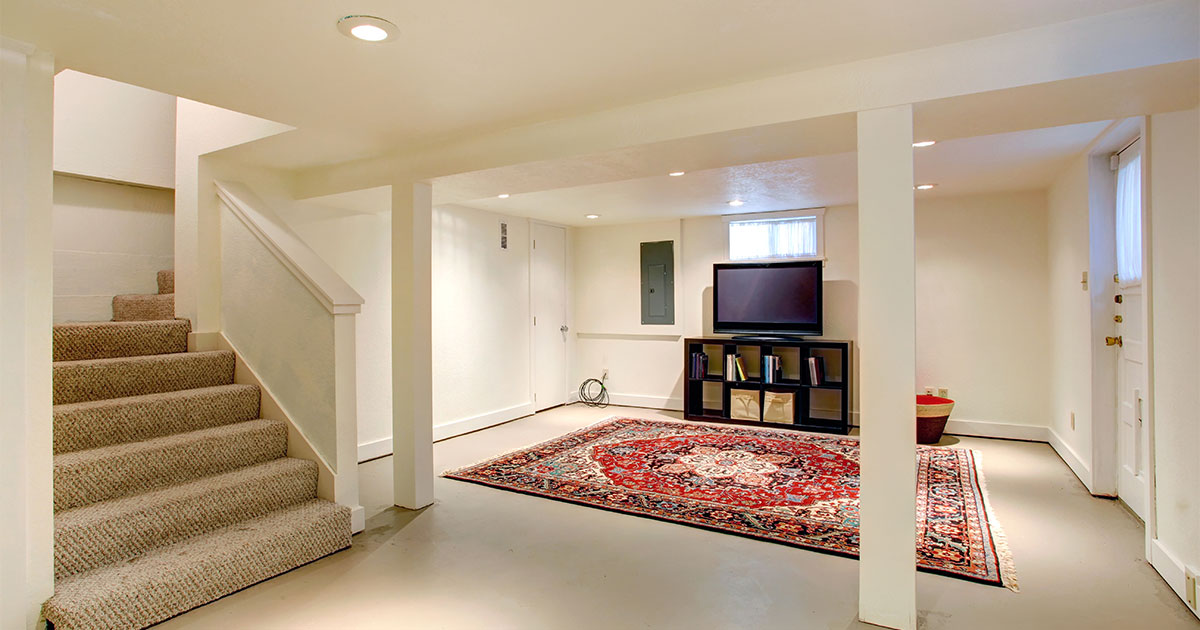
943 392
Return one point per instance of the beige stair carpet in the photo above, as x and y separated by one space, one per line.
169 490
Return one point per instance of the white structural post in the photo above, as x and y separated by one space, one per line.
26 313
412 344
887 368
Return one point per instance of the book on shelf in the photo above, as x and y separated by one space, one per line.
699 366
770 368
816 370
733 368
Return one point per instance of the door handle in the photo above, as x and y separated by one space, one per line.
564 328
1114 341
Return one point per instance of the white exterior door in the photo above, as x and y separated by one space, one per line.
1133 444
548 288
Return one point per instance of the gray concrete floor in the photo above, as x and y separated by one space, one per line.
482 558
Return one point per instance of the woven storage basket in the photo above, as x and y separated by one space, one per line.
932 414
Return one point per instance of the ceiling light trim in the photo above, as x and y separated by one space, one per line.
368 28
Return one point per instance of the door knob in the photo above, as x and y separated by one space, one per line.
1114 341
1118 298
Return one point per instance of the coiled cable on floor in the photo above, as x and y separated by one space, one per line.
593 393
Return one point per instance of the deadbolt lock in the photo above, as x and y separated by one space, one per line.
1118 319
1114 341
1118 298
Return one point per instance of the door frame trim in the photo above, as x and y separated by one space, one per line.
1105 460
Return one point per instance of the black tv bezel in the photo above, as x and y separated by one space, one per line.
748 328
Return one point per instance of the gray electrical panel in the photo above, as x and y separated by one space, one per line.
658 283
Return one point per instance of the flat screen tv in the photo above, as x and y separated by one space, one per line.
768 299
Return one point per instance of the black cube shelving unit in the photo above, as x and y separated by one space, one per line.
822 406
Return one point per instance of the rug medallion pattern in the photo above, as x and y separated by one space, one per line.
789 487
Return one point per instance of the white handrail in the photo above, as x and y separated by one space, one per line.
314 273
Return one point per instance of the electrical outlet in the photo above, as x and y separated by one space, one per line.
930 390
943 392
1072 420
1190 587
604 376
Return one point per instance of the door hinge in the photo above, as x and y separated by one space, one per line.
535 243
535 320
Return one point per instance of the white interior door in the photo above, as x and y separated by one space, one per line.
548 288
1133 447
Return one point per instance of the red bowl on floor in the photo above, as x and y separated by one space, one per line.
932 414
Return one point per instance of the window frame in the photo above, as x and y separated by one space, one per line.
807 213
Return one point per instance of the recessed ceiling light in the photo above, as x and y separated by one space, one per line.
925 186
503 195
593 216
367 28
677 174
737 202
924 143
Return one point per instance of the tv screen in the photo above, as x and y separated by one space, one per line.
781 298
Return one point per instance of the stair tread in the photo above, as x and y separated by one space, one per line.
109 421
101 474
178 577
102 340
112 531
120 377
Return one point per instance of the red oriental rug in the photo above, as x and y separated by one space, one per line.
784 486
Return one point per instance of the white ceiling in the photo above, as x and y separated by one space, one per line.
1022 160
462 67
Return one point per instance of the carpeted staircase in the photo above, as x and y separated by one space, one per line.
169 490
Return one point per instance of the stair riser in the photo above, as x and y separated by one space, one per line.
96 424
82 381
134 526
149 590
166 281
77 342
88 477
127 308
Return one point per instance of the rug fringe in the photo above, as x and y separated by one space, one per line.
1004 558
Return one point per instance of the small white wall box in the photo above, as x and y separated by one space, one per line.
743 404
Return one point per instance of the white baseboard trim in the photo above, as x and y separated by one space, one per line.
1074 462
649 402
375 449
1171 570
483 421
1005 430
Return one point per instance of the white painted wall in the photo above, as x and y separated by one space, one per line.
481 320
202 129
358 246
1070 355
1175 234
606 278
109 239
114 131
981 306
981 286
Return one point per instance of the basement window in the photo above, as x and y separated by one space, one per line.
790 235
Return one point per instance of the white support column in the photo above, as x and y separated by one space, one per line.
887 368
412 344
345 374
26 314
